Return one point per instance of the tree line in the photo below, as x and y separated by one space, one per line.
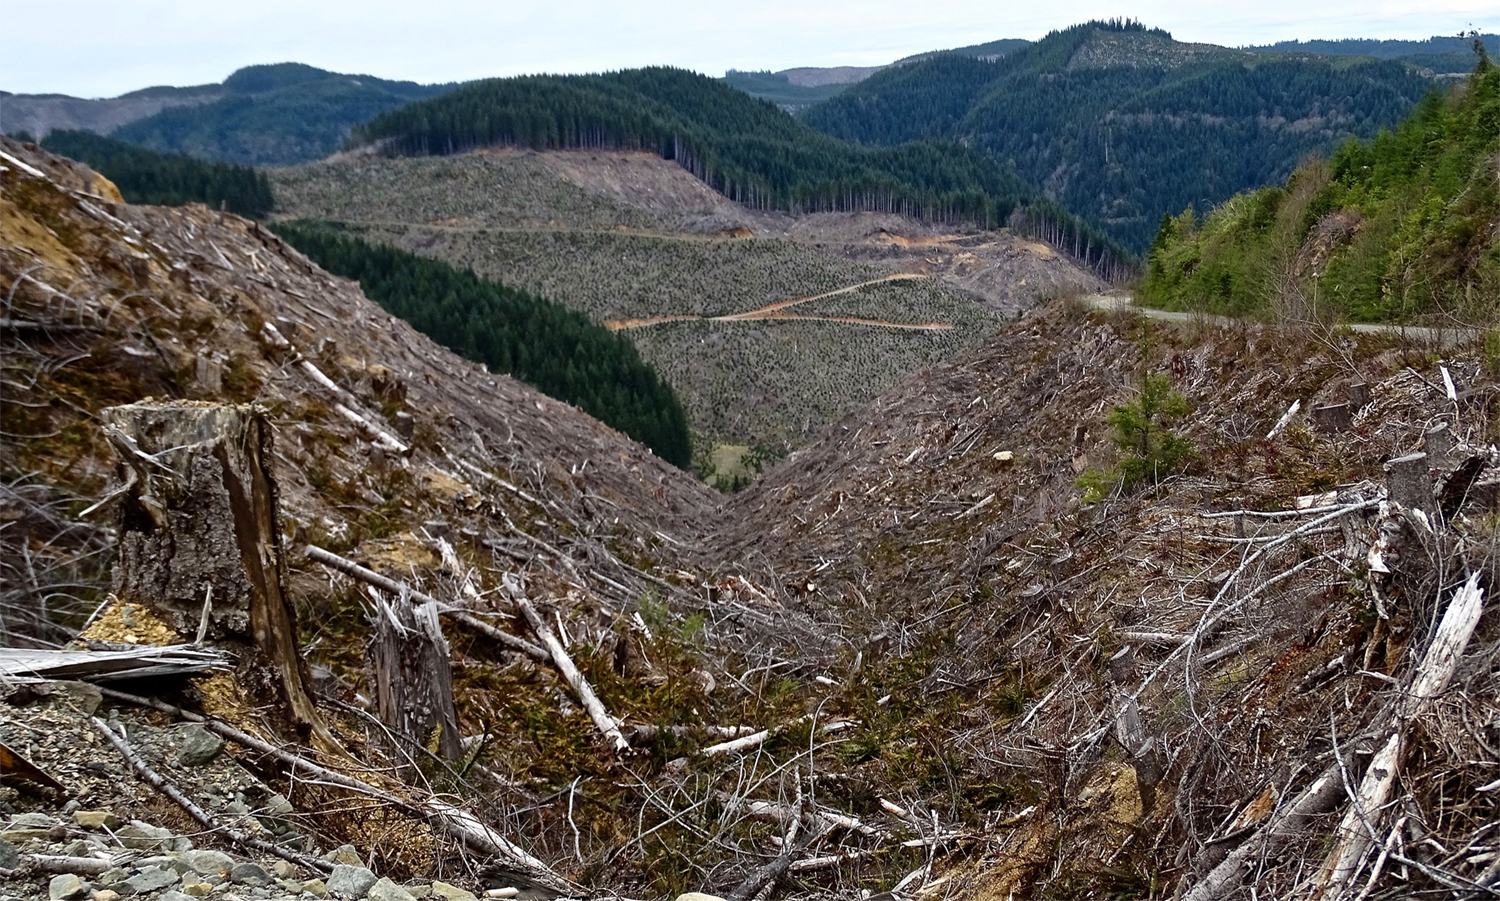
166 179
558 351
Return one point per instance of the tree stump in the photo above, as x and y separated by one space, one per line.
1409 481
200 543
414 677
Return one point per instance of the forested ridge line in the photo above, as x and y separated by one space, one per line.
1394 229
745 148
1120 123
166 179
558 351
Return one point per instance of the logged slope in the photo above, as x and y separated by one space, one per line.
744 148
1010 651
637 242
1121 124
1403 227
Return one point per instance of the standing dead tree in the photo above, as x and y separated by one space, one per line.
413 675
200 544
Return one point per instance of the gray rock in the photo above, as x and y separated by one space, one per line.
386 890
283 869
208 863
71 806
82 696
67 887
10 858
247 873
316 888
151 879
175 896
32 821
198 746
344 854
144 836
350 882
419 891
279 806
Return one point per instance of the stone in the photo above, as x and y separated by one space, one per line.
198 746
386 890
96 819
196 889
26 834
144 836
247 873
32 820
350 882
71 806
67 887
283 869
346 854
697 896
290 886
174 896
451 892
419 891
315 887
206 862
105 894
279 806
10 858
152 879
82 696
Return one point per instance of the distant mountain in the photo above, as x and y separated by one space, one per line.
1121 123
262 115
1444 55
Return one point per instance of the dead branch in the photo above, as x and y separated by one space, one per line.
608 726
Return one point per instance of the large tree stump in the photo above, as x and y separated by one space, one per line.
200 543
414 677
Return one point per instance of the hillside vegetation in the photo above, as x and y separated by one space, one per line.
1398 227
557 351
1120 123
168 179
745 148
1448 55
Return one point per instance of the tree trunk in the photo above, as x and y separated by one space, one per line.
200 543
413 676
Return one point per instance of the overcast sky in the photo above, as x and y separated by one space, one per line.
101 49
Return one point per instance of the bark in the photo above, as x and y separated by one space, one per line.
414 677
199 529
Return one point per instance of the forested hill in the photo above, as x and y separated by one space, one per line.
1121 123
1394 229
1440 54
275 115
166 179
743 147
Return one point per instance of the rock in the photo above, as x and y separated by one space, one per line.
10 858
151 879
386 890
283 869
196 889
67 887
419 891
697 896
451 892
32 820
82 696
174 896
247 873
144 836
105 894
290 886
316 888
205 862
96 819
71 806
346 854
350 882
279 806
198 746
26 834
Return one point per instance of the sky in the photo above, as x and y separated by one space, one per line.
102 49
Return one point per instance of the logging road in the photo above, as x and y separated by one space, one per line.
1439 336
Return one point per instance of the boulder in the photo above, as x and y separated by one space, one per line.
386 890
198 746
350 882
